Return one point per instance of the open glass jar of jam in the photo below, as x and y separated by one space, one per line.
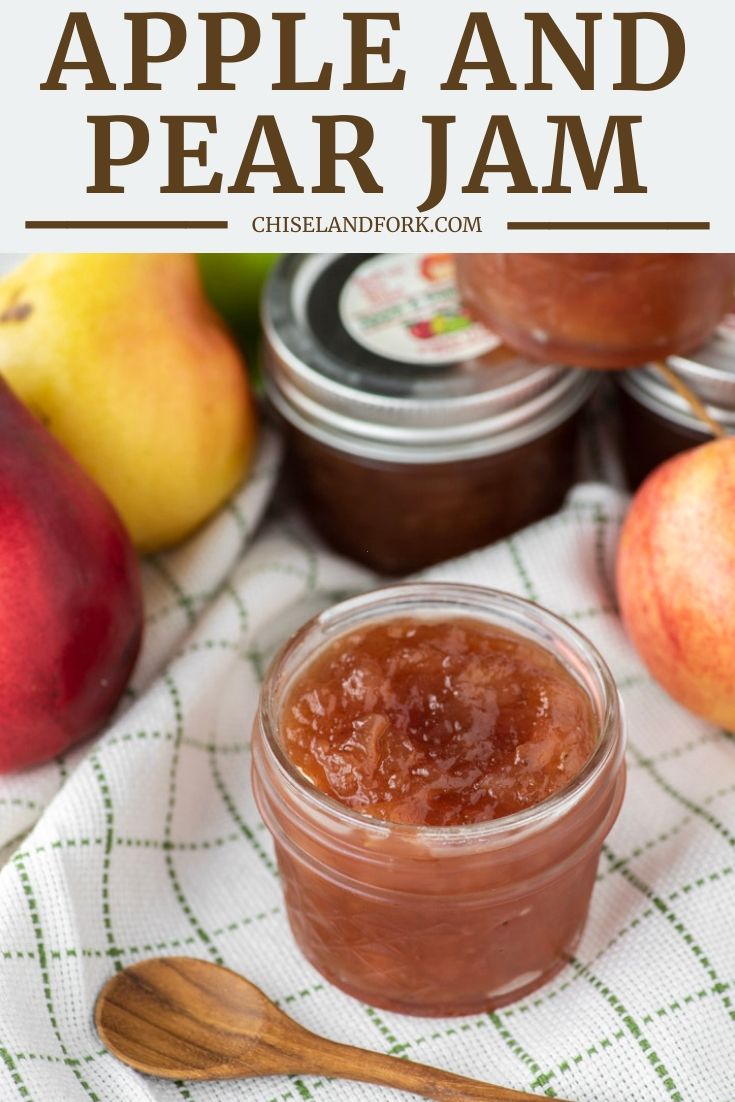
412 435
658 423
601 310
400 891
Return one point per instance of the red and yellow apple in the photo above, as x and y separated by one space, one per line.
676 579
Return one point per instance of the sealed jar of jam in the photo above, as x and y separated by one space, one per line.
438 765
600 310
658 423
413 436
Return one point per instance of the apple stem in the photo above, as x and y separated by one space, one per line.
697 405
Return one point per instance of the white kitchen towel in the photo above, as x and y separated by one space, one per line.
147 842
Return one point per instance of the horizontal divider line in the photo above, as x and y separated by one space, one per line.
609 225
215 225
130 225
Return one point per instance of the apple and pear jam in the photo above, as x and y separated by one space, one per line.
412 435
438 723
599 310
438 765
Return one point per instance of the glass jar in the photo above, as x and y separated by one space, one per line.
600 310
439 920
413 436
658 423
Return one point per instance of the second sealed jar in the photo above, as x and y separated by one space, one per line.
658 422
413 434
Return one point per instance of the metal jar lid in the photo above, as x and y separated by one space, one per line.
710 372
375 356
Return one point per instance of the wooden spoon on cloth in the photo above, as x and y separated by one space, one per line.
180 1018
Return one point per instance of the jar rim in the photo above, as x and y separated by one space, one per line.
710 372
487 437
669 405
466 600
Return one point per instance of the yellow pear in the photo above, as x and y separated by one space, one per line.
125 361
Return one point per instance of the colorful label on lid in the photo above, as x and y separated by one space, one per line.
407 308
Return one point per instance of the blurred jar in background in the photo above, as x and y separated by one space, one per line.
600 310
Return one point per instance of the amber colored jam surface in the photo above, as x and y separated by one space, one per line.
437 722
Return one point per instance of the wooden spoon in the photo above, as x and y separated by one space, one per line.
180 1018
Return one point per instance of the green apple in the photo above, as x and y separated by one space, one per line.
234 283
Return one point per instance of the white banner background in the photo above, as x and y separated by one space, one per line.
684 144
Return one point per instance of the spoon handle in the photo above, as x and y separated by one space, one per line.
346 1062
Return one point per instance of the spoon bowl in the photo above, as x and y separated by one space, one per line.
181 1018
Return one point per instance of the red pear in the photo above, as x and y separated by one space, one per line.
71 611
676 578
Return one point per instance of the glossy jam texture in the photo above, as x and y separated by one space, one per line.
437 723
